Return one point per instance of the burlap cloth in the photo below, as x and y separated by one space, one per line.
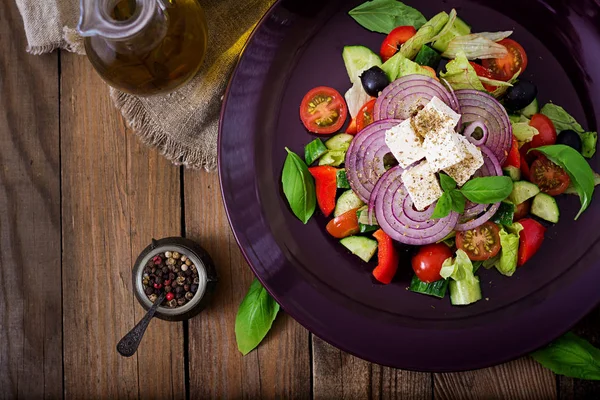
183 125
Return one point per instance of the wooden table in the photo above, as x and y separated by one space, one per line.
80 197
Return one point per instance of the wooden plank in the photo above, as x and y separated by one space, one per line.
570 388
522 379
112 206
30 245
280 367
338 375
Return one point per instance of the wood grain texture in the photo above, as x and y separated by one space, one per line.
30 247
570 388
519 379
280 367
338 375
109 191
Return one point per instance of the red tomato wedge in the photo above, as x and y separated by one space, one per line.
506 67
480 243
525 168
345 225
427 263
522 210
514 157
482 71
326 187
530 239
351 129
387 258
365 115
397 37
323 110
547 132
549 177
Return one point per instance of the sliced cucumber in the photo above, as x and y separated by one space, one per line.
347 201
522 191
361 246
341 141
363 216
342 180
459 28
512 172
505 213
358 59
531 109
313 151
429 57
333 158
436 289
362 228
545 207
463 292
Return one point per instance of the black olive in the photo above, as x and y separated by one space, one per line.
520 95
374 80
570 138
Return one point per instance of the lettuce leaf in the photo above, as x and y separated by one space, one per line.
507 265
399 66
563 121
475 46
424 35
356 97
523 132
459 268
461 75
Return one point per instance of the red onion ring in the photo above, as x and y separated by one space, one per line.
401 98
364 159
477 214
479 106
398 218
470 130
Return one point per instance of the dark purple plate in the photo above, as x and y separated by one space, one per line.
330 291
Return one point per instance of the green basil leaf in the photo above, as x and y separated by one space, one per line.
563 121
447 183
580 172
298 187
458 201
443 207
254 317
488 189
384 15
571 356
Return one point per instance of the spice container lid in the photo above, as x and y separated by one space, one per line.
207 277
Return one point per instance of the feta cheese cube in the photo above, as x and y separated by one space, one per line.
443 149
405 144
465 169
422 185
434 117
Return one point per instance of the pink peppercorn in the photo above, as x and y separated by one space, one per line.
157 260
170 296
157 286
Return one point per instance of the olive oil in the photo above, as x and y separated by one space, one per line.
158 57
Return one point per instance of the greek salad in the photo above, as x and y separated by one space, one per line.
447 151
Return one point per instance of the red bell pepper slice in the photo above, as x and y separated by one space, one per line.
530 239
514 157
326 185
387 258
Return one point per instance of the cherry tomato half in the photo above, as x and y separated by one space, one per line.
506 67
480 243
365 115
530 239
522 210
482 71
344 225
351 129
323 110
427 263
549 177
397 37
514 157
545 127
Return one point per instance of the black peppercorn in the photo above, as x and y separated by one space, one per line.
168 289
165 270
194 288
153 270
181 301
178 295
149 290
186 287
171 276
179 289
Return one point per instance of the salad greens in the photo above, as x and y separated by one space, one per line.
523 132
563 121
464 285
254 318
571 356
298 187
461 75
580 172
509 242
384 15
399 66
424 35
474 46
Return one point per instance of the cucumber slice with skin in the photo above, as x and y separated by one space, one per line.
361 246
363 216
333 158
505 213
341 141
313 151
531 109
459 28
436 289
463 293
512 172
342 180
428 57
522 191
347 201
545 207
358 59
